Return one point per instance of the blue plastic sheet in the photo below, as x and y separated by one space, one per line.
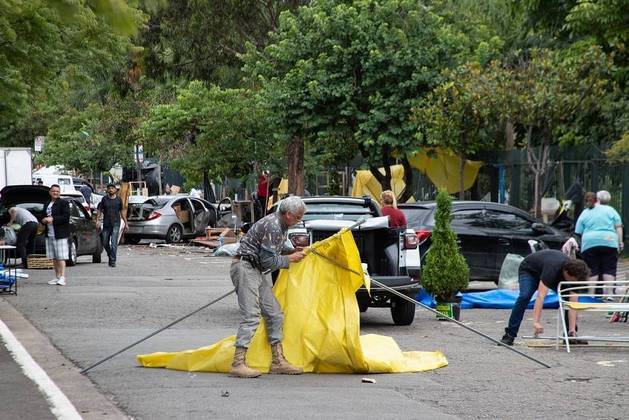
505 299
497 299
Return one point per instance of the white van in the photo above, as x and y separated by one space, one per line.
64 181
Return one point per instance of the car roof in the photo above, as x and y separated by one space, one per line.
468 204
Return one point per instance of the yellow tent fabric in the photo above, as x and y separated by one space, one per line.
443 168
321 328
282 190
366 184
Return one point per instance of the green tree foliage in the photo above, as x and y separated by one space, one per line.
350 70
547 96
76 142
52 46
462 114
221 131
619 152
445 271
201 39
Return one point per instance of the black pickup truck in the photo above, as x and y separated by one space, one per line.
391 255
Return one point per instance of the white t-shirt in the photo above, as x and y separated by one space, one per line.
23 216
51 229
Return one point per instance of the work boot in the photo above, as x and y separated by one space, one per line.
280 365
239 366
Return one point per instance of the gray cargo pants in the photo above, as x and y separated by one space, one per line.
255 295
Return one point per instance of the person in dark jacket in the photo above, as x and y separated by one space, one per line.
57 222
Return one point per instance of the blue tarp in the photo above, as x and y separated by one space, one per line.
496 299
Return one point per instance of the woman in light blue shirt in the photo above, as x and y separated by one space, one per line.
601 230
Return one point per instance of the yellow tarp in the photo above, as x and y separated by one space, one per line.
321 327
366 184
441 166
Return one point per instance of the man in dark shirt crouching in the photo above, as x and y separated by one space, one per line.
542 271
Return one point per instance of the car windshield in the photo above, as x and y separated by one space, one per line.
336 211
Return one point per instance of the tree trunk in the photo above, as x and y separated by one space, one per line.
461 179
384 180
408 180
539 165
295 156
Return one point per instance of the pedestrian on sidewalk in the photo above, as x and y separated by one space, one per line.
543 271
57 222
259 254
110 212
25 244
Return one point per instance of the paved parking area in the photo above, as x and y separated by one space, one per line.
103 309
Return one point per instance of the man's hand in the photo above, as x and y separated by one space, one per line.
46 220
538 329
296 256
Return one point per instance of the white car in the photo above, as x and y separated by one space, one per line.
77 196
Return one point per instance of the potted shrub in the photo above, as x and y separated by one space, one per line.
445 271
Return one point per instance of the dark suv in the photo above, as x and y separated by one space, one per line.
486 233
391 255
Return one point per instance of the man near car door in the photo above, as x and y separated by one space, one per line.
28 231
110 210
542 271
57 222
259 254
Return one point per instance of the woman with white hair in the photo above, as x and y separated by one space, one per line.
602 239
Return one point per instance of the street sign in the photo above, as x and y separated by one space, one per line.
139 153
39 143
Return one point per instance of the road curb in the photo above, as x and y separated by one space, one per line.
83 394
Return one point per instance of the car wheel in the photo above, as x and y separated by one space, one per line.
132 240
363 303
96 257
363 306
72 253
174 234
402 311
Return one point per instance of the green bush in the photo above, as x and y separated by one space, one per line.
445 271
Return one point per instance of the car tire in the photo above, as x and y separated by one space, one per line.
174 234
72 253
363 302
96 257
132 240
402 311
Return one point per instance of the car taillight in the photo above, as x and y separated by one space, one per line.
410 241
301 240
153 215
422 235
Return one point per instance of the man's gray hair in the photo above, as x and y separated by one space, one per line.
603 197
292 204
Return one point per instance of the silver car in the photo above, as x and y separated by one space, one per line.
171 218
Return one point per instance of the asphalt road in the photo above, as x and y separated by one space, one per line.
104 309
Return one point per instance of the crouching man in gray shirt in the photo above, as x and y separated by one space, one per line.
259 254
